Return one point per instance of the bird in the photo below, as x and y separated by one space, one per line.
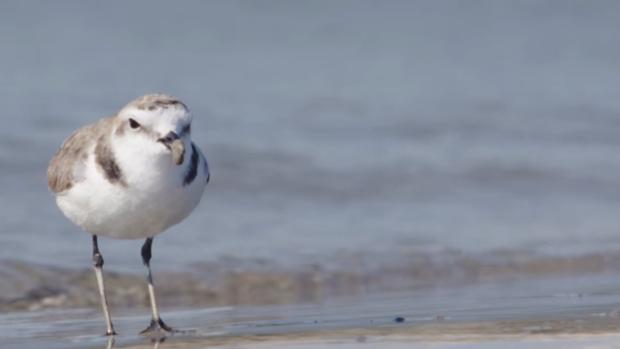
131 176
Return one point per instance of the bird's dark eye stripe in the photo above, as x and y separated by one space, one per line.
133 123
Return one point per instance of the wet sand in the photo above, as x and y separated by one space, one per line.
483 335
584 330
440 337
549 312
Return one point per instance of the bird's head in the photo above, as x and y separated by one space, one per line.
160 122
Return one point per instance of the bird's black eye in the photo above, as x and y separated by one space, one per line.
133 123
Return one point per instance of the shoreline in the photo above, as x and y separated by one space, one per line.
393 320
30 286
522 308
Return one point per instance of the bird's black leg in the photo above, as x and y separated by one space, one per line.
98 264
157 324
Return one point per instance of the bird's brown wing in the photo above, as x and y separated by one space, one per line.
61 173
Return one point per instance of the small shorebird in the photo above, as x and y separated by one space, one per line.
131 176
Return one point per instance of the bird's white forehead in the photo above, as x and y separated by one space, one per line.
157 108
165 115
155 101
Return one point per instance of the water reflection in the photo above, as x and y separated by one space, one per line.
156 341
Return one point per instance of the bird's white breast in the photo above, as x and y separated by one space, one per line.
151 198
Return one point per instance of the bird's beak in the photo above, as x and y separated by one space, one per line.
176 146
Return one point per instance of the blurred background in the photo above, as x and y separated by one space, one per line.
385 142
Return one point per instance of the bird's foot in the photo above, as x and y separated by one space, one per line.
158 328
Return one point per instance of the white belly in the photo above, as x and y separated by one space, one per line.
153 200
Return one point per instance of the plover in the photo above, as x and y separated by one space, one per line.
131 176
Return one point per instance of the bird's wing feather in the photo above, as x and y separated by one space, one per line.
64 168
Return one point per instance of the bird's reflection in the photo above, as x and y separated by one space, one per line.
155 340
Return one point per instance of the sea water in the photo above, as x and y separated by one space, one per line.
331 128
